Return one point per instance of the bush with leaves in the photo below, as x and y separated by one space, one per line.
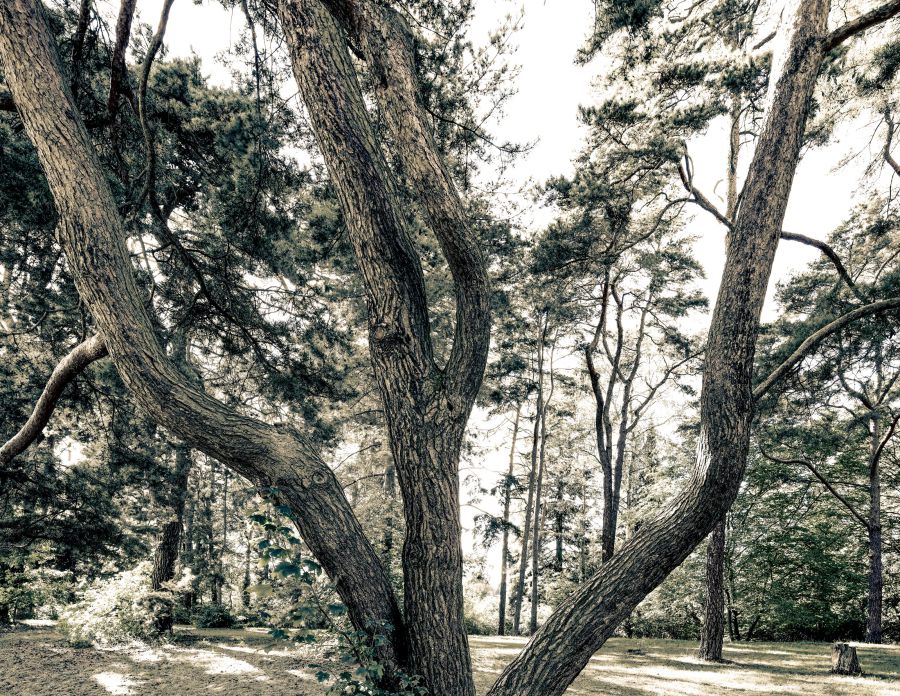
307 604
120 610
213 616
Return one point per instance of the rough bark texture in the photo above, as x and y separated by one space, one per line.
426 406
165 558
844 660
583 622
93 238
64 373
713 634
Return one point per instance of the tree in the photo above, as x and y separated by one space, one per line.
426 407
853 381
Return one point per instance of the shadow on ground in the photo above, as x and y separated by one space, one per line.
38 662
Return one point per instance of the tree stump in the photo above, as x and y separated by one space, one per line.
844 660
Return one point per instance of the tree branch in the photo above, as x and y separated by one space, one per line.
876 456
118 72
387 43
705 203
861 23
64 373
830 254
888 157
811 341
815 472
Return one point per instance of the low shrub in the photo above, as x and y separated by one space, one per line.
213 616
120 610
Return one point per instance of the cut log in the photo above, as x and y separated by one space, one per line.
844 660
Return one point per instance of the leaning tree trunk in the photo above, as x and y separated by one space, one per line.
92 236
713 633
583 622
876 576
504 547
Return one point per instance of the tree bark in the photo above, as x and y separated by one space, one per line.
504 547
538 520
844 660
876 574
713 634
167 551
82 355
538 513
92 236
584 621
426 407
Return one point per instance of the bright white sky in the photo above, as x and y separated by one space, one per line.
550 88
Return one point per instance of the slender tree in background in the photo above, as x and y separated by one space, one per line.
504 546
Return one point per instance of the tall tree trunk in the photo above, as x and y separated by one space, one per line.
245 582
188 560
713 632
729 608
220 571
538 523
519 595
876 579
559 528
584 621
504 547
212 567
167 551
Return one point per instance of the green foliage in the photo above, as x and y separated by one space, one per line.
120 610
213 616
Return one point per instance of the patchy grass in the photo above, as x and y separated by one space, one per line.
232 662
670 668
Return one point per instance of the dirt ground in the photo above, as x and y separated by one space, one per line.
38 662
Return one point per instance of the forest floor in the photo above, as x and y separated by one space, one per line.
38 662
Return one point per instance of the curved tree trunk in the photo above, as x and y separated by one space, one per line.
92 236
426 407
713 633
584 621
